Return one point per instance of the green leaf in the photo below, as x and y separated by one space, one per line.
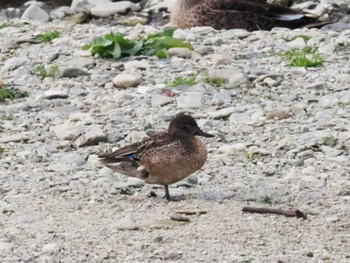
116 52
86 47
162 53
104 42
133 50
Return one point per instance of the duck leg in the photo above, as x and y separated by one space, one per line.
167 195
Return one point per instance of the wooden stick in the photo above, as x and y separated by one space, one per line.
289 213
189 212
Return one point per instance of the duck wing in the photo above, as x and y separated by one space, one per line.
134 151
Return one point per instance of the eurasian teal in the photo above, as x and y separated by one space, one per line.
165 158
247 14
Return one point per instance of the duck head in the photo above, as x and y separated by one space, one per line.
185 126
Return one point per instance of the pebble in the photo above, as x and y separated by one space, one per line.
93 136
280 114
222 113
180 52
297 43
160 100
192 100
73 73
124 81
14 63
51 249
126 223
55 94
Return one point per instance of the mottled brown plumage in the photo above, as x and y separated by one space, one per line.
246 14
165 158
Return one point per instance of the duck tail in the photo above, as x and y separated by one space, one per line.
290 18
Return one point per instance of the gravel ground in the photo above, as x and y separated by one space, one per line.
282 141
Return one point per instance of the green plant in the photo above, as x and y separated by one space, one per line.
116 45
265 200
2 150
305 37
49 36
43 72
179 80
158 44
216 82
330 141
306 57
3 25
8 116
11 93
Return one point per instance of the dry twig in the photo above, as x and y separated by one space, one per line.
289 213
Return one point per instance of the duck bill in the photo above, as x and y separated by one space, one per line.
204 134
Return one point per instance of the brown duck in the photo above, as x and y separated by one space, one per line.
246 14
165 158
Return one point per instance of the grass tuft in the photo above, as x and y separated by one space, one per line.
179 80
216 82
306 57
49 36
11 94
43 72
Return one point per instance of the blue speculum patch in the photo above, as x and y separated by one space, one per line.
132 156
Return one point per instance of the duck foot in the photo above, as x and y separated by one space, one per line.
167 195
172 198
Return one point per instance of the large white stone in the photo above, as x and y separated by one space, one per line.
110 9
34 12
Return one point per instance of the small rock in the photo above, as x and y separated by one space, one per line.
55 94
226 159
14 63
280 114
330 152
73 73
222 113
126 223
69 162
160 100
93 136
124 81
231 149
180 52
190 100
135 182
298 43
16 137
51 249
332 219
221 60
106 10
115 136
222 97
136 64
235 33
235 77
5 247
328 101
204 50
179 218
